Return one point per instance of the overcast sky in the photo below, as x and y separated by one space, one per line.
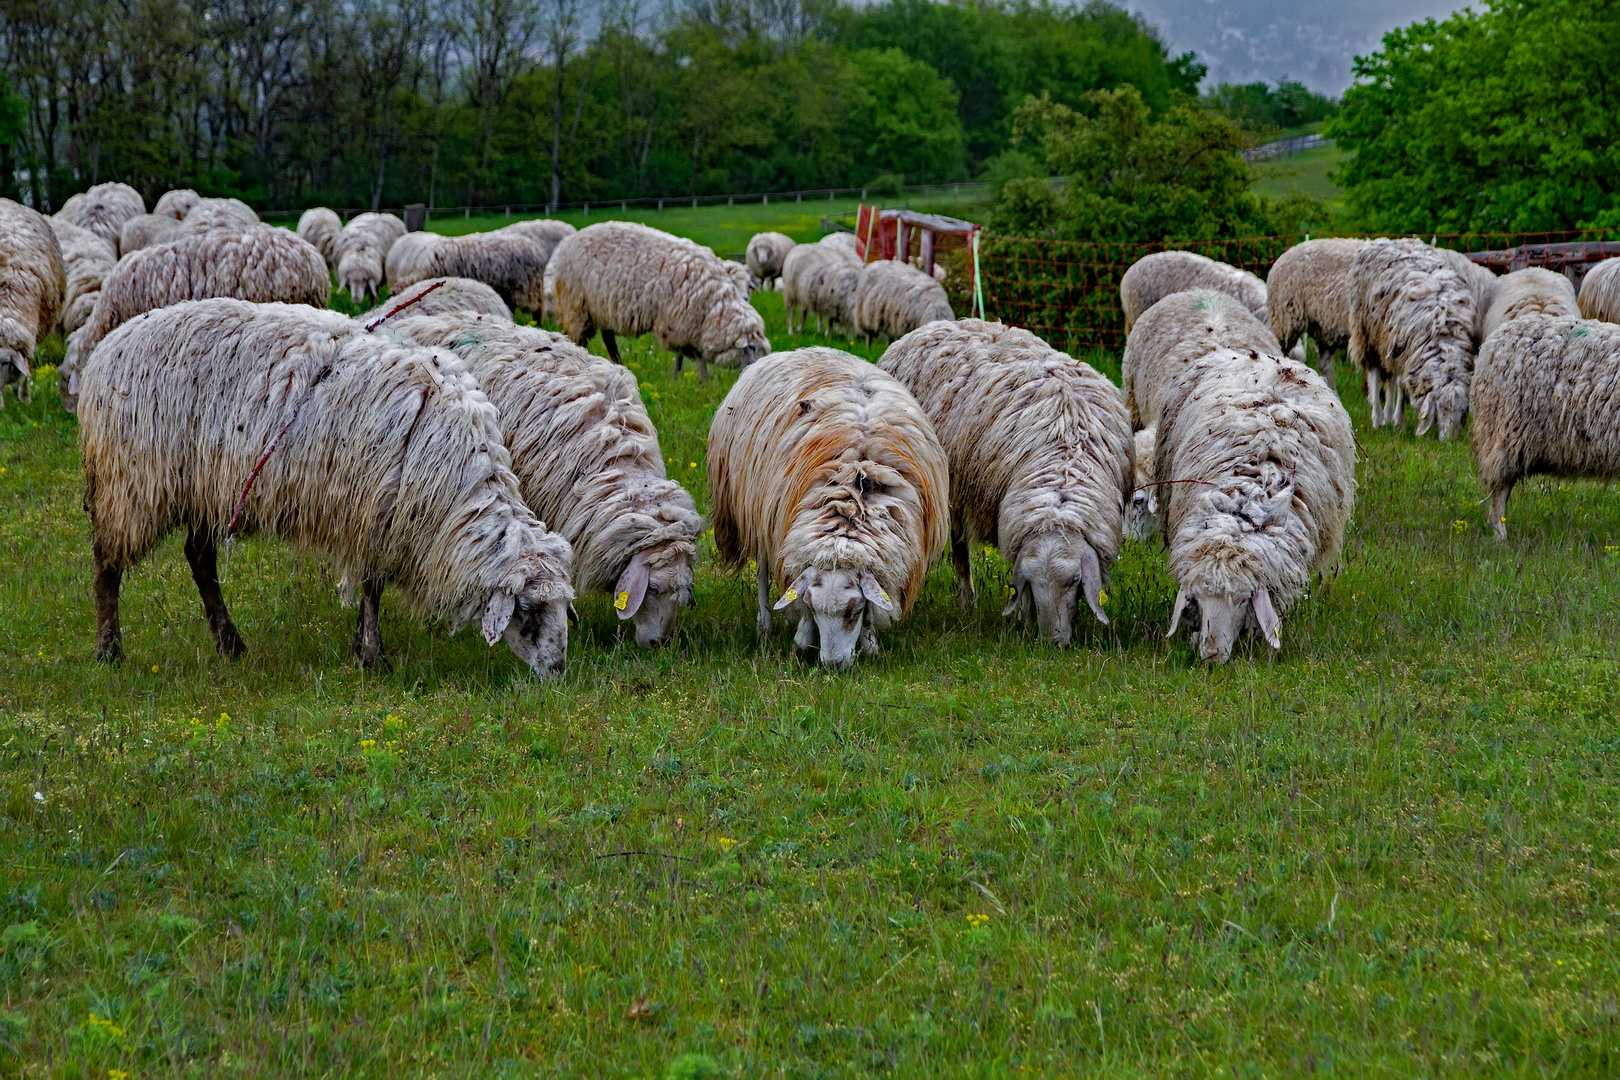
1251 40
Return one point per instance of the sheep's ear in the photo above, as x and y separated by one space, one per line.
573 616
1266 616
497 615
799 588
1175 616
632 588
1012 604
1426 415
1091 582
874 593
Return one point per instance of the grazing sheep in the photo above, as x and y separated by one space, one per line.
545 231
88 259
765 254
1308 292
820 279
1169 340
177 204
103 210
1481 284
32 282
1257 463
1600 292
1545 403
443 296
587 459
1142 511
508 260
893 298
1412 326
360 251
826 472
1039 447
626 278
741 280
146 230
1154 277
261 263
386 457
322 227
211 214
843 240
1530 292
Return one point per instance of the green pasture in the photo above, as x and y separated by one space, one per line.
1388 851
1306 172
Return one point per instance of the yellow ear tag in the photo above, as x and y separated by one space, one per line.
790 596
1278 633
885 595
1102 596
621 601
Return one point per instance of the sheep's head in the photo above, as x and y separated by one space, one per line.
1142 514
354 276
534 623
1447 406
744 350
1220 619
13 366
835 603
653 596
1051 575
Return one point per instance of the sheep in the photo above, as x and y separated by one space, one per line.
1308 292
1412 327
177 204
1534 291
1039 448
825 471
146 230
88 259
546 231
894 298
443 296
32 282
765 253
261 263
322 227
626 278
360 251
210 214
1600 292
820 279
1154 277
1256 460
103 210
228 417
741 280
1481 284
509 260
1142 511
1171 338
1546 401
845 241
587 460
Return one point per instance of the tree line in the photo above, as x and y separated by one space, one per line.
292 103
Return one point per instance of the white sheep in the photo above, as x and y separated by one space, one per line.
232 418
145 230
103 210
547 231
1154 277
1412 327
1039 447
260 263
209 214
820 279
1481 285
1534 291
511 261
361 250
587 458
741 280
1545 402
1142 511
442 296
88 259
177 204
625 278
1256 462
1171 338
893 298
1600 292
827 474
1308 292
32 282
321 226
765 253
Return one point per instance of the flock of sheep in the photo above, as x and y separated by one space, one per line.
490 471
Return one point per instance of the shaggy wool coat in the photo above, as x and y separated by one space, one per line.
893 298
103 210
1166 345
360 251
322 227
1600 292
1154 277
1412 318
1308 292
32 282
88 259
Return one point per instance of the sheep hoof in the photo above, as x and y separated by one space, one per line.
110 646
229 643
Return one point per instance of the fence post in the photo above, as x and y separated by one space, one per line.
508 209
660 205
694 202
466 211
800 198
863 194
767 200
730 201
829 195
587 210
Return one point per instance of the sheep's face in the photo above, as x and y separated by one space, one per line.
534 624
653 598
837 601
1219 620
1053 572
1447 406
1142 514
13 367
744 350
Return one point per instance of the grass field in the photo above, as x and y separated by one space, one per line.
1305 172
1389 850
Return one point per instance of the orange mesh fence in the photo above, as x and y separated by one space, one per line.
1067 291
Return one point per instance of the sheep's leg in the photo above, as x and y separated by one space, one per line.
202 556
610 342
764 601
680 358
962 561
1499 499
109 636
1398 413
367 631
1375 400
703 368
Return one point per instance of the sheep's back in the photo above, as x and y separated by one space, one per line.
32 275
1600 292
1154 277
1166 343
1308 291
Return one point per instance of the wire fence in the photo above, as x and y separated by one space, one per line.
1067 291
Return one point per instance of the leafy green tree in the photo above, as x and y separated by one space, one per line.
1264 109
903 118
